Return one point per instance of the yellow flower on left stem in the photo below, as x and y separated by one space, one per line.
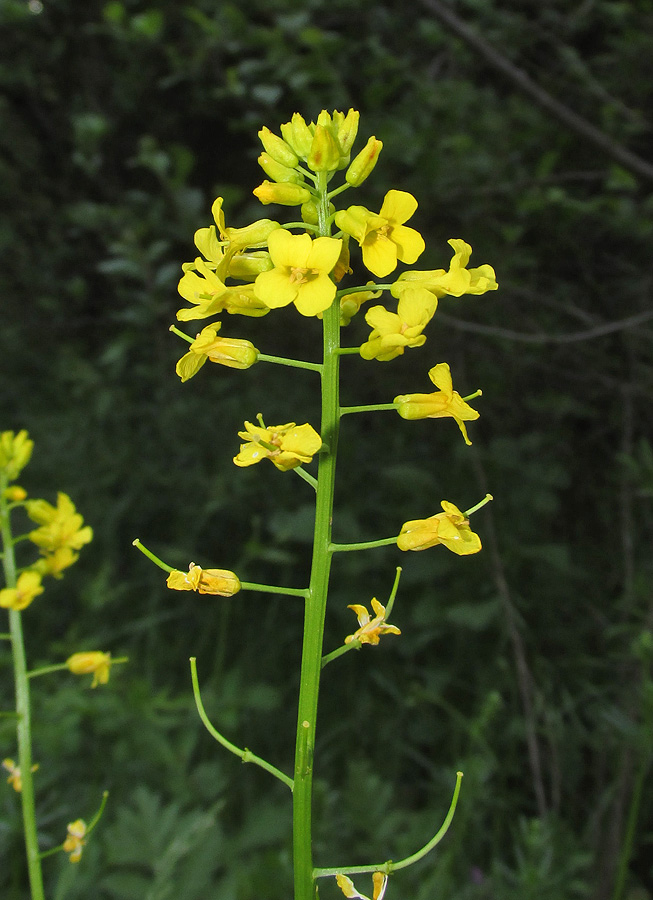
27 588
205 581
232 352
301 272
286 446
74 843
91 662
62 532
15 775
370 630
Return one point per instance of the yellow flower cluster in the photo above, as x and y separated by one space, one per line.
61 535
15 453
15 778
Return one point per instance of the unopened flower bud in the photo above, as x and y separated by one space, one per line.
277 171
246 266
347 130
15 452
15 493
252 235
92 662
277 148
325 154
298 135
364 163
310 213
285 194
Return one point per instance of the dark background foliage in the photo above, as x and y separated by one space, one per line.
528 666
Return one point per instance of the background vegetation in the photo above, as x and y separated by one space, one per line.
528 667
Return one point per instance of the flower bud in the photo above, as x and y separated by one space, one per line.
15 452
246 266
298 135
364 163
277 148
252 235
206 581
15 493
232 352
347 129
93 662
310 213
285 194
277 171
325 153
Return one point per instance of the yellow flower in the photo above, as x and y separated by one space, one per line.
91 662
286 446
393 332
206 581
346 885
27 588
15 775
74 843
54 563
450 528
444 402
370 630
232 352
458 280
61 526
325 144
15 452
383 237
301 272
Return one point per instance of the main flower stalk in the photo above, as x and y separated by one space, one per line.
23 713
305 888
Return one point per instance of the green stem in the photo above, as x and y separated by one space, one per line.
23 725
344 648
273 589
374 407
245 755
390 866
293 363
155 559
308 478
362 545
315 607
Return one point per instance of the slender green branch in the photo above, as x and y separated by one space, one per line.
334 193
308 478
363 545
390 866
293 363
181 334
363 287
339 651
155 559
348 351
374 407
245 755
5 636
304 225
393 593
89 828
273 589
59 667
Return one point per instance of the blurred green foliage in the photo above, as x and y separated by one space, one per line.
526 667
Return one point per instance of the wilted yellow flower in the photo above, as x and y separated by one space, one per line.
232 352
450 528
383 237
370 630
444 402
27 588
301 272
346 885
74 843
15 776
393 332
286 446
206 581
458 280
15 452
92 662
